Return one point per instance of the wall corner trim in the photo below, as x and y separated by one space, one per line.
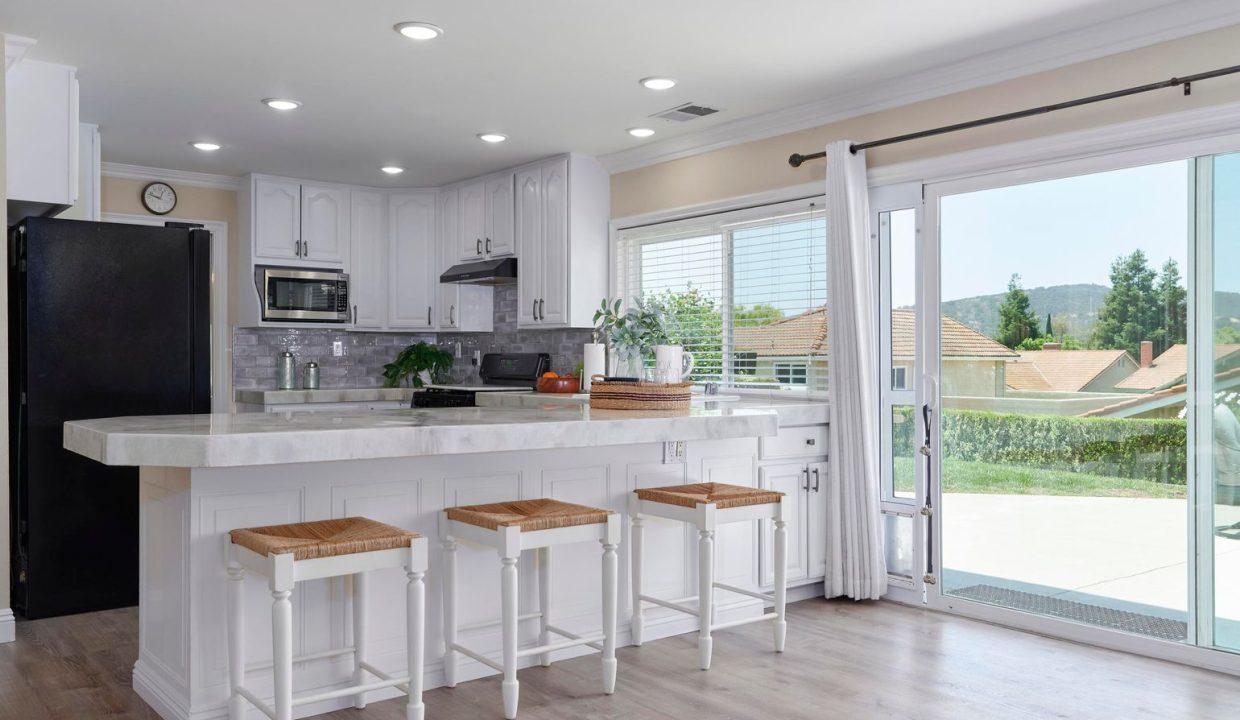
183 177
8 626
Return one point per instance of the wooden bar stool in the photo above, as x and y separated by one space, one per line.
288 554
708 505
511 527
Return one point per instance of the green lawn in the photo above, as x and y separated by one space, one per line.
974 477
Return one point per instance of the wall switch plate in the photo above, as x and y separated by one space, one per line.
673 452
337 348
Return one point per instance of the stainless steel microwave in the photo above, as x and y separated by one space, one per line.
294 295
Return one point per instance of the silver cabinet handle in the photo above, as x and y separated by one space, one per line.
305 248
479 245
354 314
534 311
805 472
488 246
542 307
428 315
452 315
297 247
816 479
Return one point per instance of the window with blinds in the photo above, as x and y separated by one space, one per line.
744 291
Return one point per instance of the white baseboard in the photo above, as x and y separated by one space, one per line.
8 626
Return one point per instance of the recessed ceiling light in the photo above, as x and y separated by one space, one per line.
641 132
281 103
658 83
206 146
392 169
492 137
418 30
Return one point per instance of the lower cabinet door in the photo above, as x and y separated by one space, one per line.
790 479
816 512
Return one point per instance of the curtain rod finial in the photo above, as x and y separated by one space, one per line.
795 159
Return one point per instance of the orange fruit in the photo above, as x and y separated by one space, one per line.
551 374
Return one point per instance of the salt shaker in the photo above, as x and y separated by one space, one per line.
286 371
310 376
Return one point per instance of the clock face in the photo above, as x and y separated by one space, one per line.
159 198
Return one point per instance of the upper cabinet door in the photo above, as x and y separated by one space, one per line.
324 224
411 253
553 304
473 221
277 219
529 230
368 260
500 237
448 218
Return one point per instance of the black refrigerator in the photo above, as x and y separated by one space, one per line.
105 320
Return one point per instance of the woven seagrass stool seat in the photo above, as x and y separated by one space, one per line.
288 554
708 505
509 528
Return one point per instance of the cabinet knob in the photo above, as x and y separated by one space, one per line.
811 441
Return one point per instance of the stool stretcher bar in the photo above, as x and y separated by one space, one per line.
477 656
743 591
386 676
596 644
337 652
553 647
496 623
744 621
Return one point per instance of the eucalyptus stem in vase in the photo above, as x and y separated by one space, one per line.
629 334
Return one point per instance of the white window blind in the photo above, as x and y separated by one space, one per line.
744 291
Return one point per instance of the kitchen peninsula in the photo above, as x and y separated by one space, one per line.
203 475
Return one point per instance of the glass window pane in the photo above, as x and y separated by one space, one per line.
903 451
898 229
899 545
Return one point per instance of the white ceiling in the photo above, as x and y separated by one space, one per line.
554 75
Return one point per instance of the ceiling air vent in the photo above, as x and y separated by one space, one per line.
686 112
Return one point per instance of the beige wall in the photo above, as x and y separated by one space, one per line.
762 165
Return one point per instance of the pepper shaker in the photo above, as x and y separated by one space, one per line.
286 371
310 376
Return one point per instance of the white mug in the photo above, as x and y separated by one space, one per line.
673 362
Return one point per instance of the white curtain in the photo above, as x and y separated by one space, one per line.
855 562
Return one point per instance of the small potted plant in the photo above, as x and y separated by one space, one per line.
629 335
417 364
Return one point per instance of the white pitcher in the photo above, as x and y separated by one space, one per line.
672 362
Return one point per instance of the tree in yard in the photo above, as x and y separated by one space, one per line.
760 314
1048 332
1130 312
693 319
1016 320
1172 308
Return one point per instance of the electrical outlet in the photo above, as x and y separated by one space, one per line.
673 452
337 348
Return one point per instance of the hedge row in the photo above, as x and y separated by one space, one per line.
1155 450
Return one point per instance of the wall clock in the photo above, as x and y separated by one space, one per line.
159 198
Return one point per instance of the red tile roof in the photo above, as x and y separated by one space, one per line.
1059 370
1169 368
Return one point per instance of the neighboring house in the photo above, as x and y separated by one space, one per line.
787 349
1053 369
1171 368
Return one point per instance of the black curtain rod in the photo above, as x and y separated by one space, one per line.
1187 81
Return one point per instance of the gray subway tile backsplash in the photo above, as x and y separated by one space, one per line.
255 349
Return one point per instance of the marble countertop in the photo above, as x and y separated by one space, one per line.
288 397
234 440
791 411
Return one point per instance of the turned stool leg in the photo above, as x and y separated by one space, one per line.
449 612
610 579
508 582
636 553
282 635
544 602
706 594
416 607
236 640
359 636
781 580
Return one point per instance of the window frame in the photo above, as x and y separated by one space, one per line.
724 220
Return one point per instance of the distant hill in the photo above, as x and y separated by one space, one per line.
1075 307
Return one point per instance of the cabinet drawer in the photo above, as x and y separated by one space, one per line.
804 441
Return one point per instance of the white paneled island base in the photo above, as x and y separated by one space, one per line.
202 476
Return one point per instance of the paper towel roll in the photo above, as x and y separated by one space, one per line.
594 363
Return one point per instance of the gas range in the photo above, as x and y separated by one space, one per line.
499 372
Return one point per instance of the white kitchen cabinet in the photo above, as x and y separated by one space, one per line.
462 308
562 209
804 481
499 240
472 221
368 272
792 479
41 136
324 224
276 215
413 283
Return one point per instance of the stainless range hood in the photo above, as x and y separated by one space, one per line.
484 272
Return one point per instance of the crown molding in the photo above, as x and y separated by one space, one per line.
1162 24
182 177
15 48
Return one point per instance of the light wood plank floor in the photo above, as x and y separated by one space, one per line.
844 660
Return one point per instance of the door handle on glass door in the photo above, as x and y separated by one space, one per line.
816 479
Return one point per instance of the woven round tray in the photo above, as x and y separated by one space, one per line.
611 395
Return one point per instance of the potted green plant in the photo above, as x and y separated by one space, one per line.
630 334
415 360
